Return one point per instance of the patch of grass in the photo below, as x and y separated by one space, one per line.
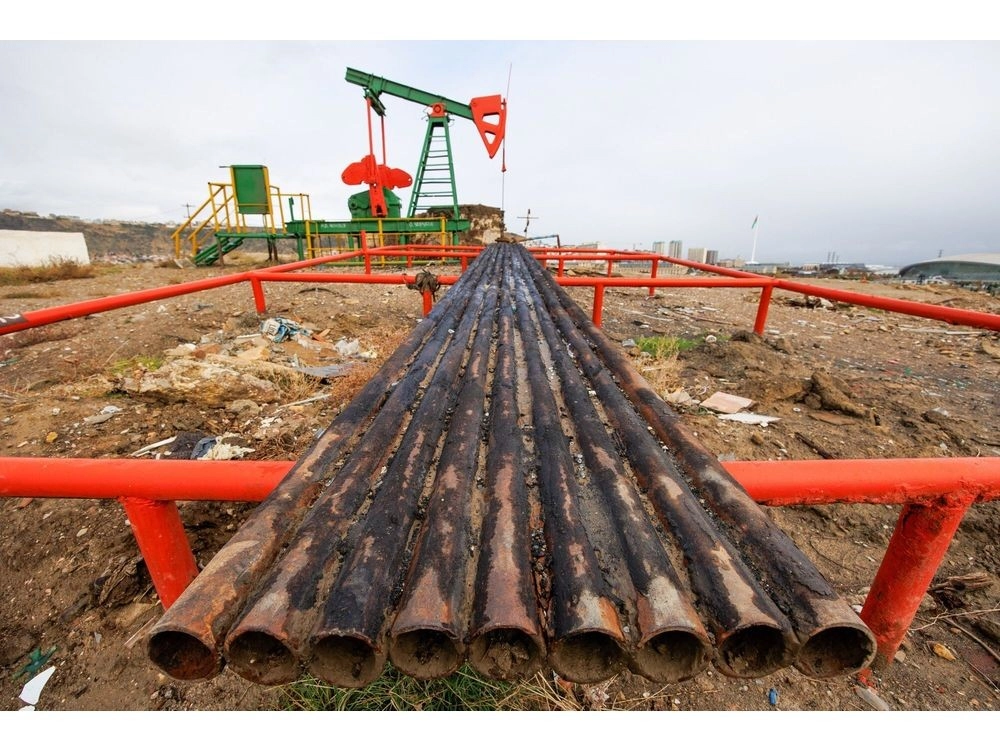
466 690
145 362
55 270
662 347
25 294
658 361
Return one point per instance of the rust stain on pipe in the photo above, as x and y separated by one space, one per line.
347 648
834 639
427 639
186 642
752 636
586 643
405 531
507 641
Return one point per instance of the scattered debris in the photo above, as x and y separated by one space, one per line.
872 698
680 397
943 651
36 660
146 449
726 403
831 418
815 446
219 448
772 696
281 329
750 418
32 690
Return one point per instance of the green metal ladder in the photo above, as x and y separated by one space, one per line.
435 177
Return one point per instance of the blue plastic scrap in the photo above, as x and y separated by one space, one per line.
772 696
36 660
281 329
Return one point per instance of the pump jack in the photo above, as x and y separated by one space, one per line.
435 176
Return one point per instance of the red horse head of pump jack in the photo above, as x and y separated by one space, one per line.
489 113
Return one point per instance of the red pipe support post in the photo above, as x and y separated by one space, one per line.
762 308
652 274
916 549
159 533
598 304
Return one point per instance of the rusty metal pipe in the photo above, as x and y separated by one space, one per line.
506 638
586 641
269 642
672 643
834 639
346 647
427 638
752 636
186 642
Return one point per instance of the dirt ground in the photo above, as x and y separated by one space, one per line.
845 382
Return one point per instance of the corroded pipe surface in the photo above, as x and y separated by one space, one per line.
186 642
752 636
834 639
499 493
506 637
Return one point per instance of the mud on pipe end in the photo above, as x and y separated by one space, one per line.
671 656
427 653
183 655
507 653
590 656
348 661
837 650
262 658
755 650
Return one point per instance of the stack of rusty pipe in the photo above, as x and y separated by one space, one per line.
508 490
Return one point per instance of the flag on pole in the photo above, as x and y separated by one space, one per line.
754 225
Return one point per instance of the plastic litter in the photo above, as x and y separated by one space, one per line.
281 329
772 696
32 690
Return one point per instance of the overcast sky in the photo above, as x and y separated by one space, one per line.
881 152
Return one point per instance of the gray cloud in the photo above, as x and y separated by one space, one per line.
879 151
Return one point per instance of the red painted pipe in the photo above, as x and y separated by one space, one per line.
916 549
344 278
762 307
682 281
159 533
919 309
888 481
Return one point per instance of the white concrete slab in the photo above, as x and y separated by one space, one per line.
21 248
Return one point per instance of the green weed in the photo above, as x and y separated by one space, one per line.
466 690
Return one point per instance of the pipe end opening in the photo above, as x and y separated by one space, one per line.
426 654
506 654
587 657
182 656
671 656
836 651
262 658
345 661
754 651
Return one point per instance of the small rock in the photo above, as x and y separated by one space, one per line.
51 437
81 532
942 651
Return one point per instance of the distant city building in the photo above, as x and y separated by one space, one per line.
712 257
676 248
659 246
697 254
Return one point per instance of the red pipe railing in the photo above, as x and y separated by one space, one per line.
935 493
